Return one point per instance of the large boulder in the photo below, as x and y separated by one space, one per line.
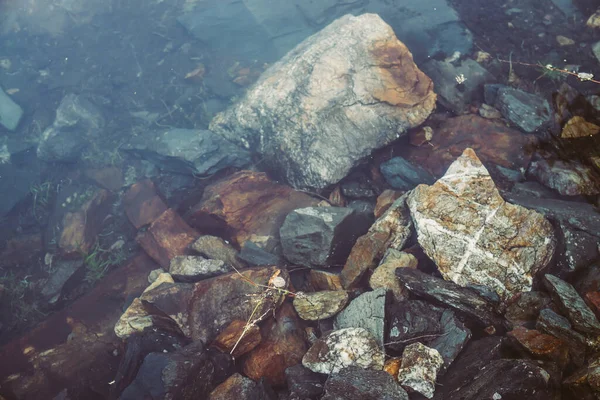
343 92
474 236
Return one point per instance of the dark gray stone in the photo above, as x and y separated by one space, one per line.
449 294
196 268
366 311
358 189
303 383
188 151
579 249
572 305
355 383
557 325
452 95
78 121
320 236
254 255
403 175
19 171
63 270
453 339
526 110
413 321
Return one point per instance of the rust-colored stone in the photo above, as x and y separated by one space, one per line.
365 255
246 205
168 236
228 339
593 301
392 366
324 280
540 345
81 227
74 347
385 200
492 140
336 198
142 203
284 345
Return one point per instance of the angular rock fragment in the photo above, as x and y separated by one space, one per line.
412 321
324 280
320 236
525 307
392 230
354 383
385 200
237 387
526 110
238 338
566 177
143 204
320 305
565 295
419 369
196 268
299 112
216 248
366 311
402 175
63 271
541 346
448 294
303 383
344 348
384 276
453 339
474 236
558 326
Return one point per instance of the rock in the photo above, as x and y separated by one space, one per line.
216 248
81 227
453 95
188 151
138 317
283 346
579 249
78 121
23 249
247 206
163 277
384 276
184 374
238 338
584 382
559 327
568 178
489 112
353 383
366 311
596 49
419 369
10 112
142 203
402 175
196 268
578 127
413 321
594 20
391 230
385 200
241 388
109 178
254 255
291 131
320 305
16 178
361 189
453 339
474 236
528 111
303 383
502 379
324 280
392 366
525 307
572 305
344 348
541 346
493 141
320 236
166 237
564 41
63 270
463 300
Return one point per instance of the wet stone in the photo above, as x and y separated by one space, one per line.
384 275
385 200
238 338
526 110
366 311
353 383
412 321
462 300
143 204
254 255
196 268
303 383
540 345
63 271
420 366
239 387
320 305
580 315
402 175
344 348
558 326
324 280
216 248
453 339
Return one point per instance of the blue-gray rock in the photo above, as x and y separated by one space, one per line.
188 151
413 321
403 175
572 305
271 29
78 121
63 270
453 339
320 236
452 95
366 311
19 170
526 110
579 249
303 383
353 383
558 326
254 255
10 112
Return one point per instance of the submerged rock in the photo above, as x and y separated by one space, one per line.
566 177
10 112
526 110
474 236
299 111
195 268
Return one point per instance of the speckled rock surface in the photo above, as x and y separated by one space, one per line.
320 305
420 365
